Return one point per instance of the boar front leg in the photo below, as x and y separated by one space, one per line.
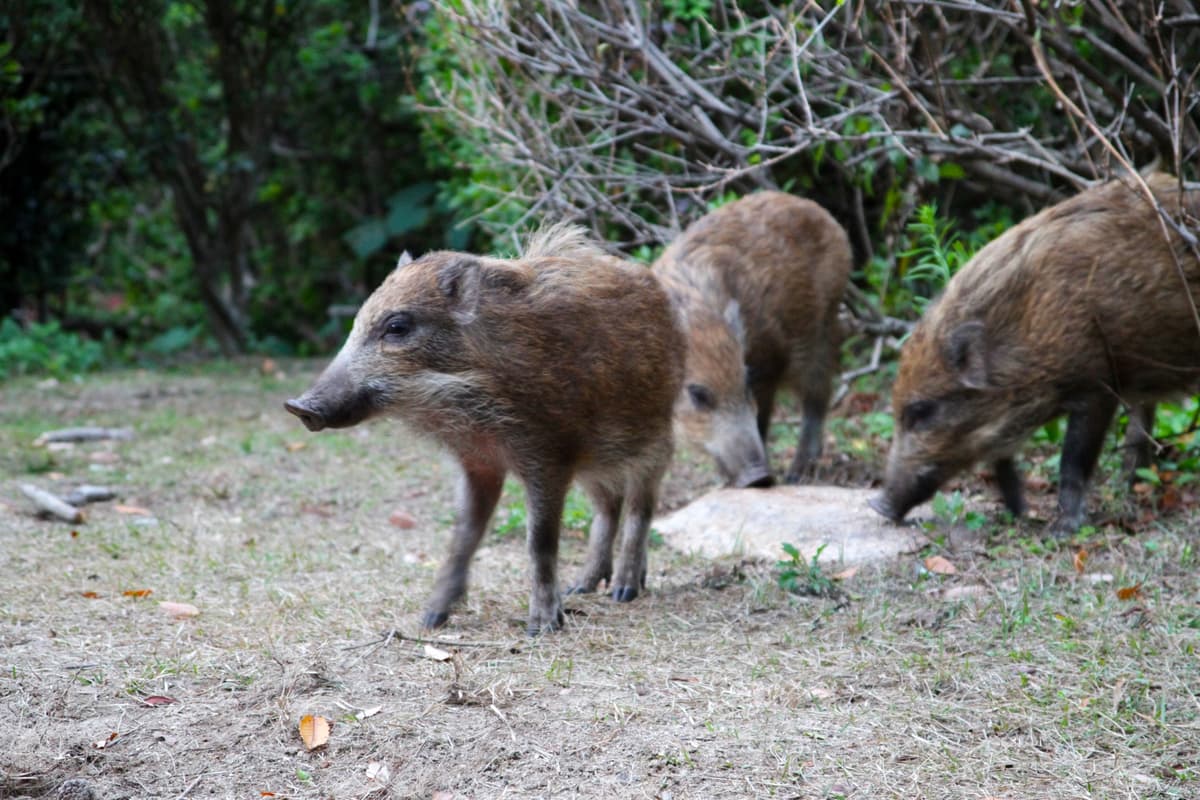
1086 426
479 487
546 495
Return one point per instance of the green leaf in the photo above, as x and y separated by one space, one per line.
367 239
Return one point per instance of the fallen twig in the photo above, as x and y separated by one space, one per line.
389 635
51 504
86 434
89 494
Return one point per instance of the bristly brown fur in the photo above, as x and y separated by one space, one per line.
785 262
559 365
1076 308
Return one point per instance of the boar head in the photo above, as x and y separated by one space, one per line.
716 407
954 404
406 349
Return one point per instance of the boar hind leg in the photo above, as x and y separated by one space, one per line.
599 564
1086 426
641 494
808 449
1138 440
1009 479
479 488
546 497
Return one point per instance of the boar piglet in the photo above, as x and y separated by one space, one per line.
1090 303
562 364
757 283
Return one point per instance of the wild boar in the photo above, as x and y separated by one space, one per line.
1087 304
758 283
559 365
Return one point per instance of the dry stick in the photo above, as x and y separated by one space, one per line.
51 504
850 376
396 634
192 785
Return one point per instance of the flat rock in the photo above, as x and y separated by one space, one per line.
756 522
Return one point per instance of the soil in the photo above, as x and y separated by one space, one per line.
1030 671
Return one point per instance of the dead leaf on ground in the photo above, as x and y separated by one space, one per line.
963 592
100 744
138 592
90 595
377 772
437 653
138 510
402 519
940 565
314 730
846 574
1081 558
178 610
1128 593
292 447
159 700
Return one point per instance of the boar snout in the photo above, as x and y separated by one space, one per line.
903 491
334 401
756 476
313 419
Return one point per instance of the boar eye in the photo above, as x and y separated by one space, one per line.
702 397
399 326
917 412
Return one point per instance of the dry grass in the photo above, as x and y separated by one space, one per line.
1035 682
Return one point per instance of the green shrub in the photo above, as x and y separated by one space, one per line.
45 349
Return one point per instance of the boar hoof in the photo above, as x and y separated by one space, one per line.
537 625
434 619
1063 527
623 594
883 506
755 479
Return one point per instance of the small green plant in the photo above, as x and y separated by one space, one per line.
798 576
951 509
560 671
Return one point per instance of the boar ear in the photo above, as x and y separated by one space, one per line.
733 318
459 281
404 260
966 354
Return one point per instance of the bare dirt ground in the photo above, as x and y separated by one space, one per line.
1024 675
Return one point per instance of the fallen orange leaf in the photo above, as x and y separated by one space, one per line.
314 730
159 700
846 574
402 519
178 610
138 510
1081 558
137 592
292 447
940 566
90 595
100 744
1130 592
